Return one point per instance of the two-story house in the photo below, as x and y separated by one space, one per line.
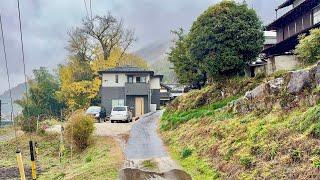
130 86
300 18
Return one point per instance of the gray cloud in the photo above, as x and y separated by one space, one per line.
46 22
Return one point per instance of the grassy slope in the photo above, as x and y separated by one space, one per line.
100 161
276 144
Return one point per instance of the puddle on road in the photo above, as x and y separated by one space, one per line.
138 174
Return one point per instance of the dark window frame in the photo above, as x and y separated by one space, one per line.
138 81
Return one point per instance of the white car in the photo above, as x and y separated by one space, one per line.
121 113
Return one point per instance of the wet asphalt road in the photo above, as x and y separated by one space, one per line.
144 142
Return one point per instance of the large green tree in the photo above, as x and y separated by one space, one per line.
186 69
224 38
41 98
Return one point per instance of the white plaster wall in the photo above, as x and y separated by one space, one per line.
284 62
109 80
155 83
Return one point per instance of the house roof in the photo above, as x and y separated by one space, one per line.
126 69
175 88
294 13
285 4
165 86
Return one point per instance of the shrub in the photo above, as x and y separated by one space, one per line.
186 152
246 161
308 49
27 124
79 130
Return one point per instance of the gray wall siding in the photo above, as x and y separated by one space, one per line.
131 103
109 93
137 89
155 97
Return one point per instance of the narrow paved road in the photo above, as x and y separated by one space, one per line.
144 142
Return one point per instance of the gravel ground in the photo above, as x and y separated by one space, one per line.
103 129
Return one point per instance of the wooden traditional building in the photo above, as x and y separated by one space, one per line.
303 16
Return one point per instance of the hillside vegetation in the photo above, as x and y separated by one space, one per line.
226 131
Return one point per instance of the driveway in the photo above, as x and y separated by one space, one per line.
144 144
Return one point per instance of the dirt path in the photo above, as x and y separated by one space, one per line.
144 145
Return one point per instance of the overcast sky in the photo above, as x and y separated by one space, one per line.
45 24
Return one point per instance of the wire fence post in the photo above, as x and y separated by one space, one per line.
20 165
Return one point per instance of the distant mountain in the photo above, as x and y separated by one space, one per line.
156 55
17 94
155 51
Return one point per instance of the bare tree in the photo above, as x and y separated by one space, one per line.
109 32
79 44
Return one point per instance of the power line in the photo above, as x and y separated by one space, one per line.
8 79
24 64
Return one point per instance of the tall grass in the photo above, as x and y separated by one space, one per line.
172 120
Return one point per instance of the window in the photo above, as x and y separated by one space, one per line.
130 79
141 79
117 102
117 78
138 79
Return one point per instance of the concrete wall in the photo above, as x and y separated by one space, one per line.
155 83
283 62
109 80
109 93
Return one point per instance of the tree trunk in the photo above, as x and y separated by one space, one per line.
105 53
